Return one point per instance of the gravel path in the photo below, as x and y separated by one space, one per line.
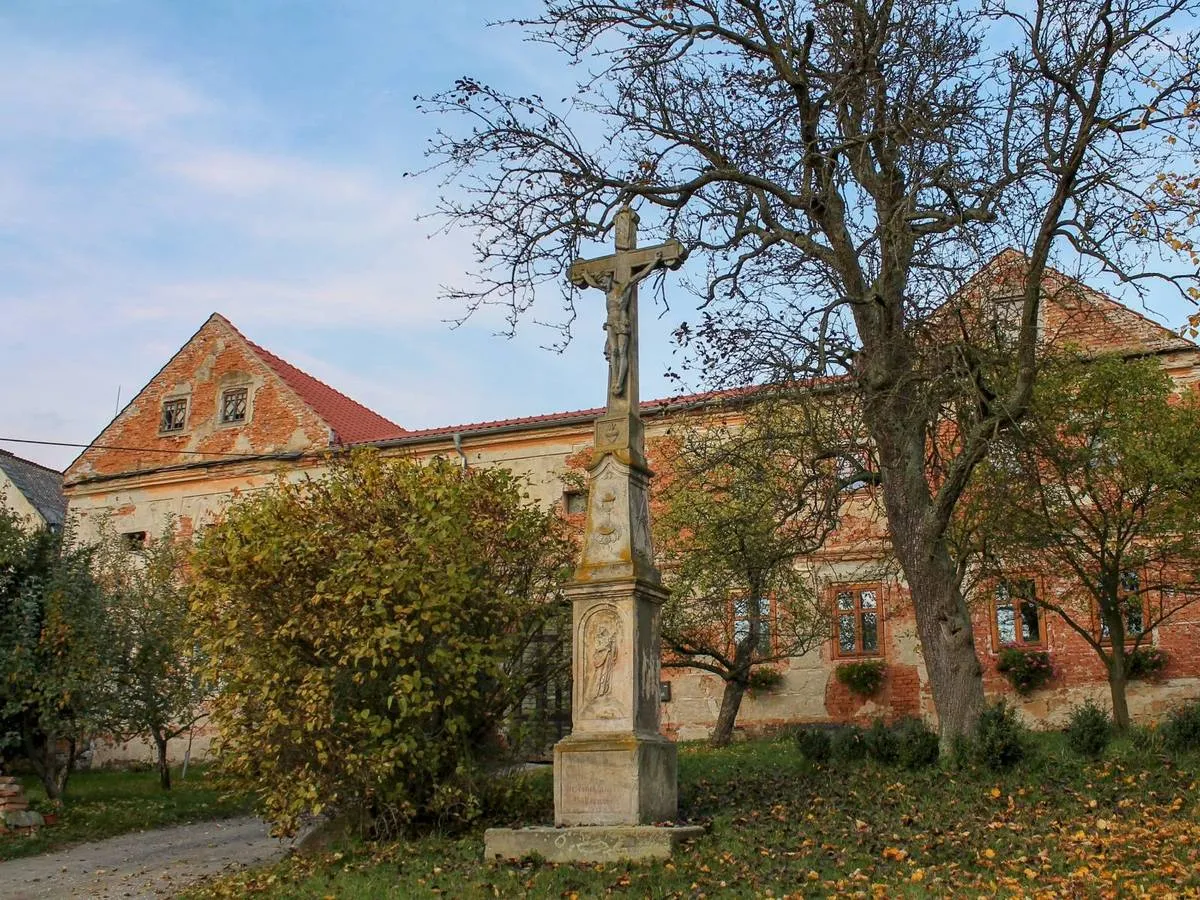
145 865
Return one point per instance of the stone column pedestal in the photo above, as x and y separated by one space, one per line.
615 768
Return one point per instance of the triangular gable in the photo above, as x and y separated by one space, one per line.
1072 314
286 410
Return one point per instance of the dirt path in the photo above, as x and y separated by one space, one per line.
144 865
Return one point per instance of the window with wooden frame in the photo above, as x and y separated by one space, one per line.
1017 619
742 608
575 502
856 620
174 414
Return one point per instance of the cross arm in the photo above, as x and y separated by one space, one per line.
589 272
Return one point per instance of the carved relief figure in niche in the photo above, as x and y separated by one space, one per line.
604 658
600 640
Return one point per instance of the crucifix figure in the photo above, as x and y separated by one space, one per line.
618 275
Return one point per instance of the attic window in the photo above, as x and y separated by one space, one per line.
233 405
174 414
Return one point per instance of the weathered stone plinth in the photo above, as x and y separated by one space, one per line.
592 843
614 780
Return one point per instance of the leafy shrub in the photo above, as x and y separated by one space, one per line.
764 680
862 678
814 744
918 743
1145 662
848 744
999 739
371 630
1181 731
1026 670
883 745
1089 729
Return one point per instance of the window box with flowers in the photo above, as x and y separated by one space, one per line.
1145 663
1026 670
862 678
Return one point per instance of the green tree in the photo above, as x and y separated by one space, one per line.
55 659
370 630
739 507
156 689
1101 483
837 170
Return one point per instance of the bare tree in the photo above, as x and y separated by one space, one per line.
842 165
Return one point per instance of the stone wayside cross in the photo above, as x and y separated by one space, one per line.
615 774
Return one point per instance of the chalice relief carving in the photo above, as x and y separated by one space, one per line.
608 529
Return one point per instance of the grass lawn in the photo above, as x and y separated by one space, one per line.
781 826
104 804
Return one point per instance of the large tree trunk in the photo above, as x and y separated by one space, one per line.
731 701
1118 679
943 619
164 770
40 751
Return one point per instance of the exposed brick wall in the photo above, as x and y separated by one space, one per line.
214 359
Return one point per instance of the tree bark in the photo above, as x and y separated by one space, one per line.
1118 679
731 701
164 770
943 619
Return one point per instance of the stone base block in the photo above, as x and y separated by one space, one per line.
614 780
588 843
23 819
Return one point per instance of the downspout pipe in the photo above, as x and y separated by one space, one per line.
458 448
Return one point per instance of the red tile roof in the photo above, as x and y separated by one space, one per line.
351 422
648 407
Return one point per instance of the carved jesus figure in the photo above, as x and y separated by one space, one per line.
604 658
616 346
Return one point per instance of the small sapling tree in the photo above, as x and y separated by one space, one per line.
739 507
156 690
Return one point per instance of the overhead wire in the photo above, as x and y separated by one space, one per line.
8 440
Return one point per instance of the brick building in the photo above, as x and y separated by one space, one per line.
224 415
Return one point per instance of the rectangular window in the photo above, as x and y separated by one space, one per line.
856 620
134 540
575 502
233 405
174 415
1016 616
741 623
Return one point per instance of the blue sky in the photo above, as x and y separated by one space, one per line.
164 159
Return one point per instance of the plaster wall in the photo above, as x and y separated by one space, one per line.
11 497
